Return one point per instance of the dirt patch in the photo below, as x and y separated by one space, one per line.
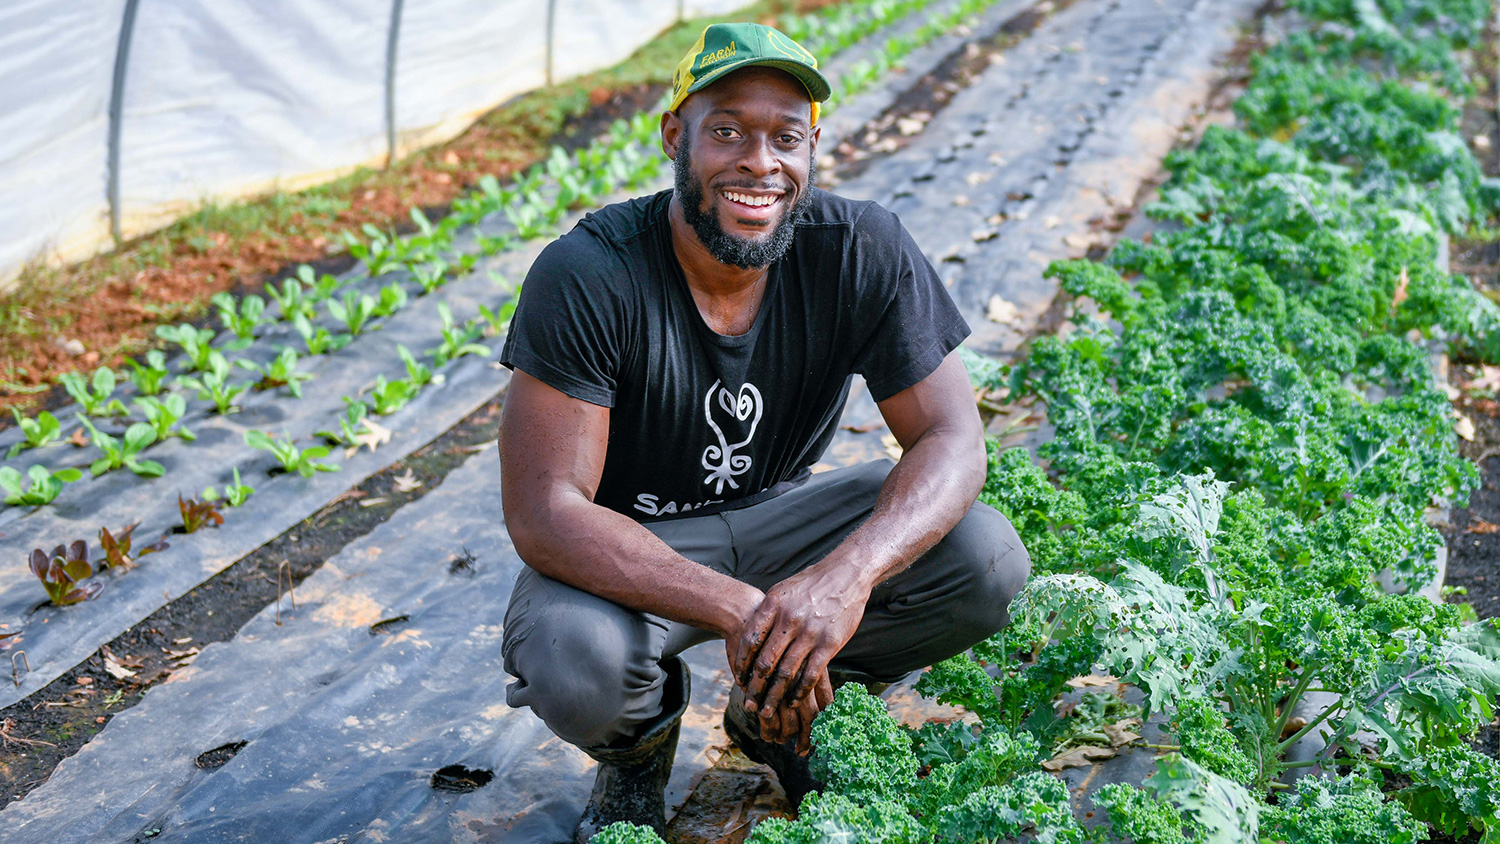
1472 535
1473 532
55 722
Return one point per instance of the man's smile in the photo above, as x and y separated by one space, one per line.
752 200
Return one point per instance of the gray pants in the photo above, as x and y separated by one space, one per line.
589 667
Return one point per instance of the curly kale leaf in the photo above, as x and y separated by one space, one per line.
1455 789
1187 519
1034 807
984 373
624 832
1138 817
1200 729
993 761
1043 516
1432 691
1348 811
1223 811
829 818
860 751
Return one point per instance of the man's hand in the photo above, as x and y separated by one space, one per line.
781 656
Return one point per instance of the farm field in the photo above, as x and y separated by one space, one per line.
1232 274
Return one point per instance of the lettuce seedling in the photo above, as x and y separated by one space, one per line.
319 340
234 494
457 342
530 220
348 432
197 513
38 432
195 343
117 549
242 318
122 452
293 301
45 485
63 573
494 245
151 378
430 276
390 396
317 287
94 397
392 299
163 415
354 311
420 374
498 320
280 371
380 254
303 461
214 384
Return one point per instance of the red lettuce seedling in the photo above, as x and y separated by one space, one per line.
197 513
117 550
63 571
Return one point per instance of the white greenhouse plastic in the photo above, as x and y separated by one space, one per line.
118 116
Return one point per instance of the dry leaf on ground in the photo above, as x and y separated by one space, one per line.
908 126
1123 732
1078 757
407 482
374 434
1001 310
1481 526
892 447
116 670
1093 680
1488 380
1463 426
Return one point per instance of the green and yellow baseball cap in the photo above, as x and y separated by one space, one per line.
724 47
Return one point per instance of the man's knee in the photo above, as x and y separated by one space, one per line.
995 565
590 685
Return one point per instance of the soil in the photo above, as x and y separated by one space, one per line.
38 733
1473 538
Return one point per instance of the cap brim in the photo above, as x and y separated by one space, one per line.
816 84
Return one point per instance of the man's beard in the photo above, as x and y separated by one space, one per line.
725 247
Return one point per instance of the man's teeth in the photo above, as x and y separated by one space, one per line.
744 199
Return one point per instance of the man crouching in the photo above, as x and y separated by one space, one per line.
680 363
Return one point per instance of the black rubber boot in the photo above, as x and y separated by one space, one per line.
743 729
791 770
632 780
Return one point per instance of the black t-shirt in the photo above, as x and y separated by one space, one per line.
701 421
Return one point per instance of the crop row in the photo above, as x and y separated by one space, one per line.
327 312
1248 436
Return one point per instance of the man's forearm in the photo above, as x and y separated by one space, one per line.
577 542
929 490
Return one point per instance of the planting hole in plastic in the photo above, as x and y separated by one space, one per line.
456 779
211 759
464 562
388 625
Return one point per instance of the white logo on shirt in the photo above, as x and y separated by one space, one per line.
720 459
